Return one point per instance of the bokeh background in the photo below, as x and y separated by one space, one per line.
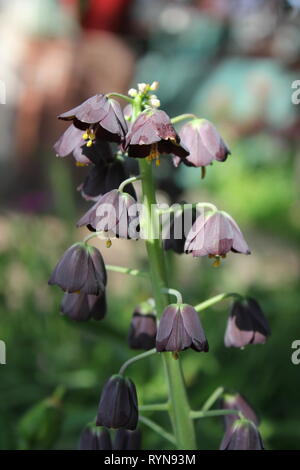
232 61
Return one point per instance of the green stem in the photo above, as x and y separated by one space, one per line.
158 429
210 414
174 292
155 407
179 407
128 181
213 398
136 358
182 117
215 300
120 95
129 271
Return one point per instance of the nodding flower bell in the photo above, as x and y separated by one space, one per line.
214 234
246 324
118 407
94 439
180 225
142 331
81 269
115 211
237 402
180 328
82 307
244 435
103 178
203 142
152 134
98 116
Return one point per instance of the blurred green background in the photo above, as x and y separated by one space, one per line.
232 62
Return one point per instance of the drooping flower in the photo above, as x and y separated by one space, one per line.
127 440
180 328
103 178
175 237
72 141
115 212
246 324
142 331
243 436
83 307
98 116
237 402
94 439
214 235
152 134
81 269
203 142
118 407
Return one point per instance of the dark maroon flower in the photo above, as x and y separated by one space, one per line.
83 307
115 211
203 142
243 436
98 116
127 440
239 403
142 331
180 225
103 178
94 439
246 324
215 234
118 407
152 134
81 269
180 328
72 142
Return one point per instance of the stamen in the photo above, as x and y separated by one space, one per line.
154 154
108 243
203 172
175 355
81 164
217 262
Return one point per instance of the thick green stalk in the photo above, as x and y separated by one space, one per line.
179 406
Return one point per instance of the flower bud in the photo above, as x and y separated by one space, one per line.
239 403
246 324
118 407
244 436
180 328
81 269
142 331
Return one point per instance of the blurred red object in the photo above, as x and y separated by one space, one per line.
106 15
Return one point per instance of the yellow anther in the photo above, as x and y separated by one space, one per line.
81 164
85 136
217 262
157 162
154 153
89 143
108 243
77 292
